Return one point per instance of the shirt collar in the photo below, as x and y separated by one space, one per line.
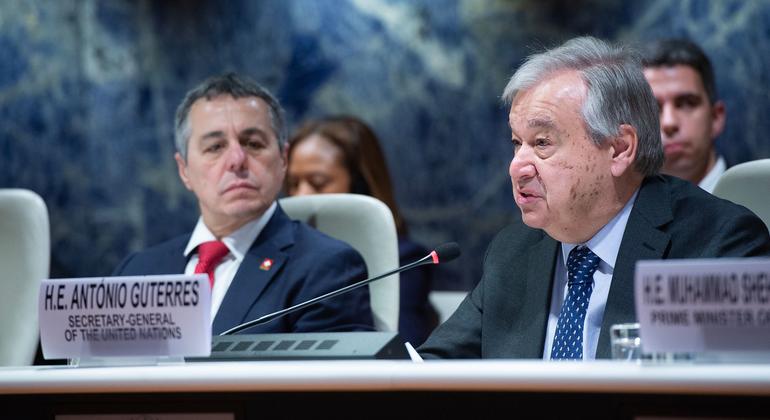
710 180
606 243
237 242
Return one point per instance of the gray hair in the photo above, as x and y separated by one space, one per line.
237 87
617 94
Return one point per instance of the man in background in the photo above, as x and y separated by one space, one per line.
231 153
586 156
691 116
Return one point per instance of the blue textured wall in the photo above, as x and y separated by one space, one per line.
88 90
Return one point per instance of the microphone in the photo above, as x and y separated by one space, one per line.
441 254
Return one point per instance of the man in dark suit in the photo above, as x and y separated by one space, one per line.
230 140
587 152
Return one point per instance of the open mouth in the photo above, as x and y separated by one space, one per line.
527 197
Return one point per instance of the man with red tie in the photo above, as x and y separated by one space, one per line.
230 139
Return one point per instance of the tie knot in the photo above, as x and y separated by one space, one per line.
211 252
581 264
209 255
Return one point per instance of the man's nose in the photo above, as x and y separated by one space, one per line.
521 164
669 121
236 157
304 188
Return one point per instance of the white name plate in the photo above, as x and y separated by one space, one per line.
707 305
167 315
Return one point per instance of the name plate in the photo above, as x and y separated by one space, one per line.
708 305
168 315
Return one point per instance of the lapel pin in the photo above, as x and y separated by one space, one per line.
267 264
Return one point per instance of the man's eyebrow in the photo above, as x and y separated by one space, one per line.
251 131
541 122
689 95
217 134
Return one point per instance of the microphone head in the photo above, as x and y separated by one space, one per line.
446 252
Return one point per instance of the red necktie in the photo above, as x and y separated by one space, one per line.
210 254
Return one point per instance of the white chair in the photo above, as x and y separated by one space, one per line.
367 225
748 184
24 259
445 302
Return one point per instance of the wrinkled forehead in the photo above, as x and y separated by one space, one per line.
225 113
227 104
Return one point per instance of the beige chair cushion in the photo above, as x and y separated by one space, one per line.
367 225
748 184
24 260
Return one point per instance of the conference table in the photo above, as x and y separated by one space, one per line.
387 389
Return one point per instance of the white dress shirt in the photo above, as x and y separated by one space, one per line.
237 242
605 244
710 180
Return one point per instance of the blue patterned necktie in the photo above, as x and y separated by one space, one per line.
568 340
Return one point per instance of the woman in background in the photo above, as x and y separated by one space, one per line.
342 155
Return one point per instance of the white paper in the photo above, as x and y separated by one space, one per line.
413 353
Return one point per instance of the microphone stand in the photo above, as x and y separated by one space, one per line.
431 258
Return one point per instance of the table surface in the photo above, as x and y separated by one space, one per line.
378 375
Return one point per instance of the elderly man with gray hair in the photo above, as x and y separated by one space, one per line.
586 156
231 153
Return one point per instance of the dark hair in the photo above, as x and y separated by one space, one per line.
362 157
235 86
673 52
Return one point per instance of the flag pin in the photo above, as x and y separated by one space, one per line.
266 264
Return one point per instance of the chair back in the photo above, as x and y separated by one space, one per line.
748 184
24 257
365 223
445 302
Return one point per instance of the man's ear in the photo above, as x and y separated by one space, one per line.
718 119
181 166
624 148
285 159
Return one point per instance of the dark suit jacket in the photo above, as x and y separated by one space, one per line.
306 264
506 315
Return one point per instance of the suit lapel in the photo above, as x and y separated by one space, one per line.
252 277
528 343
642 240
174 261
